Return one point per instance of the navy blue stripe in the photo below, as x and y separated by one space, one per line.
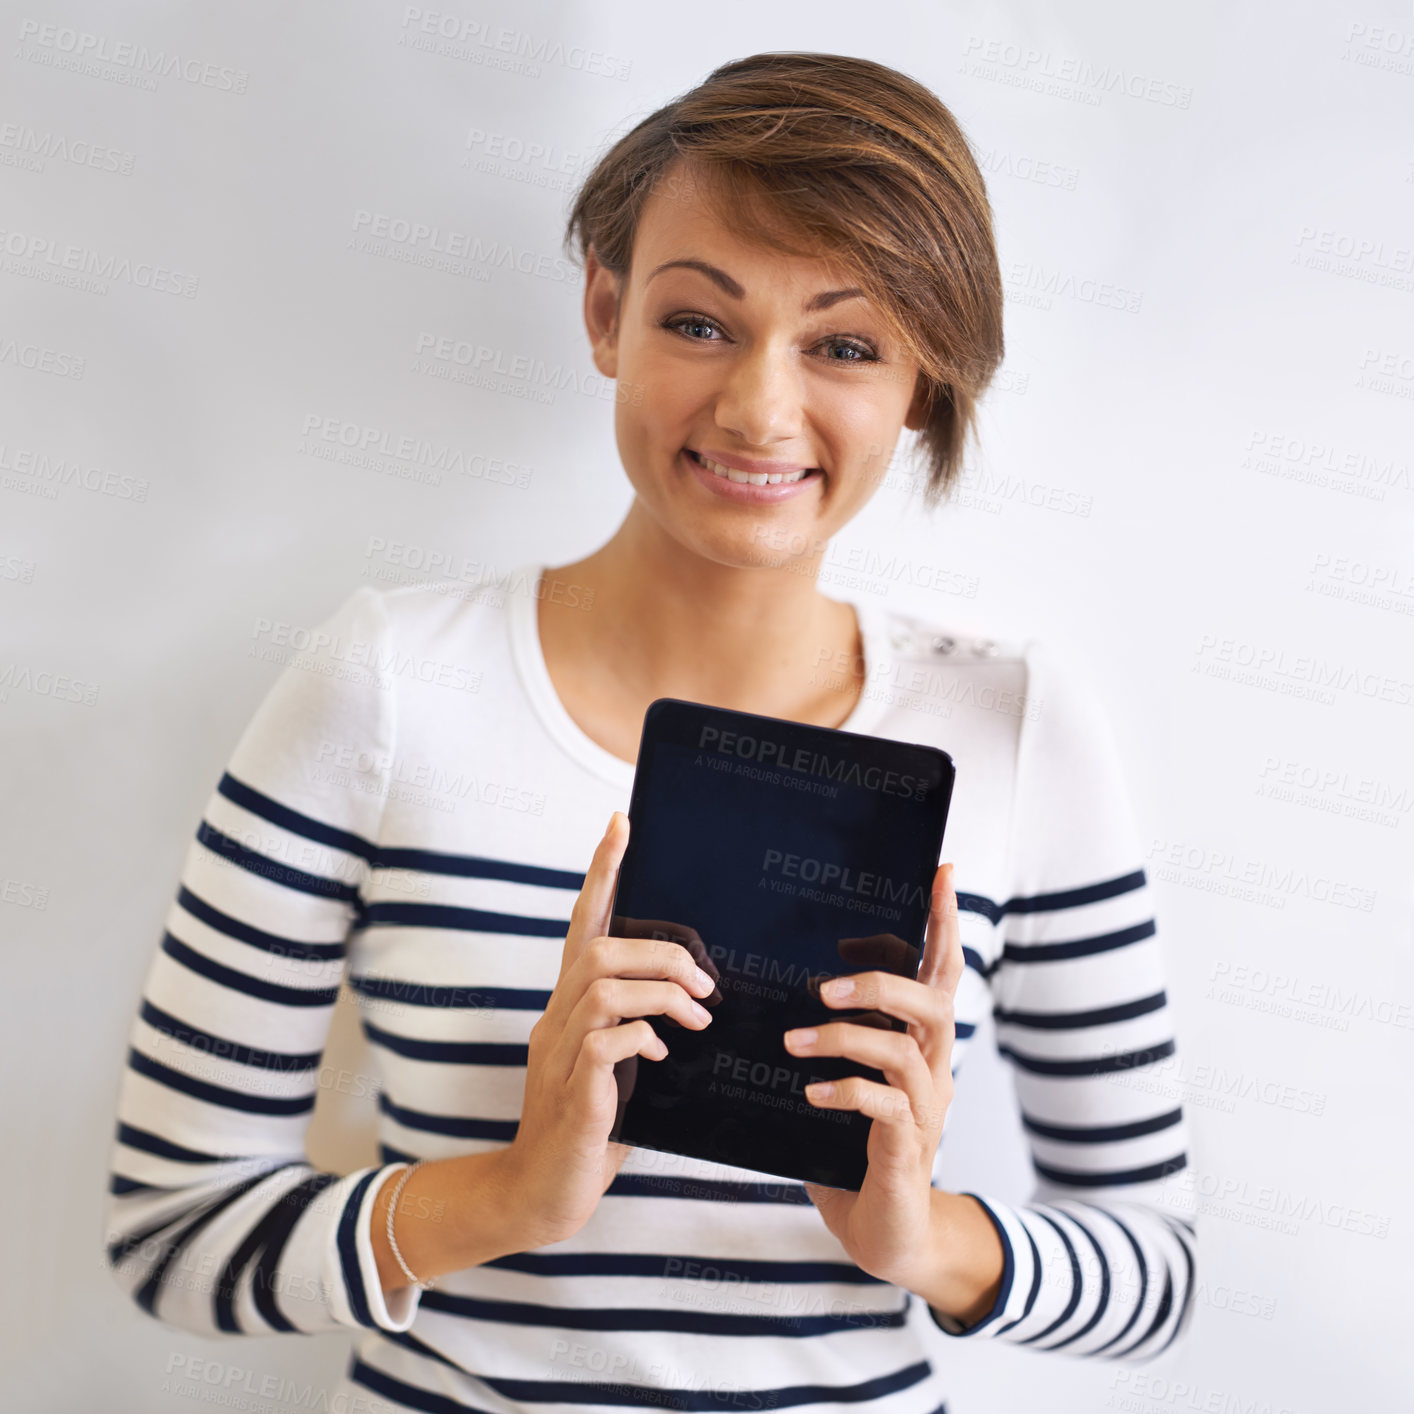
1077 947
1187 1293
146 1295
463 920
1072 1020
125 1246
1076 1281
973 959
1145 1174
217 1094
1035 1282
258 803
122 1186
1102 1133
667 1267
472 866
979 903
348 1252
1076 898
1143 1281
277 1225
1088 1065
457 1127
243 981
584 1392
1103 1305
362 1373
713 1190
154 1144
223 1300
449 1052
216 1046
234 852
1165 1302
256 937
623 1318
393 989
389 1155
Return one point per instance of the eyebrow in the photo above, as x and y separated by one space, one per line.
720 277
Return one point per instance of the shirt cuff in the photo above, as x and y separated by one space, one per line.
356 1291
1006 1224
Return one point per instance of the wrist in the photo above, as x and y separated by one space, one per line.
451 1214
524 1214
962 1275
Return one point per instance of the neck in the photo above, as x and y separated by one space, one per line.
676 624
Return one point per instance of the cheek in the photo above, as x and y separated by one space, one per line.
658 411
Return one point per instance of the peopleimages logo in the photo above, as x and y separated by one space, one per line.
830 875
767 752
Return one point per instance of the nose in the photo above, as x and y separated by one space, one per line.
760 400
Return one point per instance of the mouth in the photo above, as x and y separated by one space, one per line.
752 478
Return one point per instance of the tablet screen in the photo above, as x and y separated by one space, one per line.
779 855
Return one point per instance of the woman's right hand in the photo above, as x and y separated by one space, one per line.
561 1160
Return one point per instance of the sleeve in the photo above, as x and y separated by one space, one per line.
1101 1261
216 1222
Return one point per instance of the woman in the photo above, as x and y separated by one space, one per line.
784 268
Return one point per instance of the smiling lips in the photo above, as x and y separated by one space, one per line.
782 474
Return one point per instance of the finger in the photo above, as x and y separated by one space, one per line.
895 1053
645 958
942 957
885 1103
886 950
683 934
927 1010
592 1075
590 915
610 1000
912 1002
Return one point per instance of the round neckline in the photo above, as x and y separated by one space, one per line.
529 657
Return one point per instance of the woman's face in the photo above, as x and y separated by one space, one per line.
759 361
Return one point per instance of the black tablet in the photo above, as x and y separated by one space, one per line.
779 855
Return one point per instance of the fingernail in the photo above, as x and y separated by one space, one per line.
821 1090
701 1012
704 982
806 1036
839 987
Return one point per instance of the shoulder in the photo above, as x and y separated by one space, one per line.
914 633
443 611
937 666
1024 686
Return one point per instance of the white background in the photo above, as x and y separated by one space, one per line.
1174 494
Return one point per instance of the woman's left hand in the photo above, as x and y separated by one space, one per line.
885 1226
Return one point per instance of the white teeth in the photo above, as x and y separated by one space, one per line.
755 478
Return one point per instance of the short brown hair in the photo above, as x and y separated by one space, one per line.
831 155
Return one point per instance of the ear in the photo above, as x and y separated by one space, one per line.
601 304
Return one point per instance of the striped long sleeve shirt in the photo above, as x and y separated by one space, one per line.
411 810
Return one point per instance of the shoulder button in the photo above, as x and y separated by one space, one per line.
984 648
941 643
901 639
